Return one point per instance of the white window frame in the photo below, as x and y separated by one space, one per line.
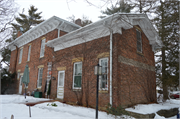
100 77
74 75
39 78
18 75
43 41
20 55
29 53
139 40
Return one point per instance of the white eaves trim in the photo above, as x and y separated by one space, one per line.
101 28
41 29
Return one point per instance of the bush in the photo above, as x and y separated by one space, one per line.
118 111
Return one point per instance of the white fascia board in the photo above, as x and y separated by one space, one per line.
101 29
51 24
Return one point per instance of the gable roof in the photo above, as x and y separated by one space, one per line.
102 28
41 29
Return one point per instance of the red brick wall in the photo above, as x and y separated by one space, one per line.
133 84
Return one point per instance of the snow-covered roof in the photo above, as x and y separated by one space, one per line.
41 29
102 28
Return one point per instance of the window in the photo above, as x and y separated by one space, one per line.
18 75
77 75
103 82
139 41
42 48
39 81
20 55
29 52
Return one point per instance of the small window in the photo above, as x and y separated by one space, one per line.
18 75
39 81
42 48
77 75
139 41
29 52
20 55
103 80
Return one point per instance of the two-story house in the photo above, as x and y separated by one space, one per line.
65 53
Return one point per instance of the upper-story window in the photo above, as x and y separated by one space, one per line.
103 82
42 48
20 55
77 75
139 41
29 52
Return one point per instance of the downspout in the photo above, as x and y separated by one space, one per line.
111 48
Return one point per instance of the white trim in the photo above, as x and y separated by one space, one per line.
62 87
36 32
107 74
74 75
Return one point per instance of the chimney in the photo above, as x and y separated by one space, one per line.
78 22
19 34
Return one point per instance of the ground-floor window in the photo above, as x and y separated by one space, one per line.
39 81
77 75
103 80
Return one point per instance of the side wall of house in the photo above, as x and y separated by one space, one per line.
35 61
135 82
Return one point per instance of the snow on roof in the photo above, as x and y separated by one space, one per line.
41 29
102 28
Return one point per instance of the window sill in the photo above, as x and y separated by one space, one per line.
19 63
28 61
103 91
77 89
41 57
39 88
139 53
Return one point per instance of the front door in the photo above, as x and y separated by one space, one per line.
20 84
60 86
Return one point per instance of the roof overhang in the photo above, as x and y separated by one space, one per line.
41 29
102 28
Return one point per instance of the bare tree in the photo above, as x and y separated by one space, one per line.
7 12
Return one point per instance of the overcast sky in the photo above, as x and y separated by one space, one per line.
64 8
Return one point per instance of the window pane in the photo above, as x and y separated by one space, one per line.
78 69
40 77
20 55
77 81
42 48
103 78
61 76
29 52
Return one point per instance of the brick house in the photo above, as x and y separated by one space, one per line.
65 53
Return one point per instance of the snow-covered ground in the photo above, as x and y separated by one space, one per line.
13 104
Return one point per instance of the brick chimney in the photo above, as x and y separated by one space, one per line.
78 22
19 34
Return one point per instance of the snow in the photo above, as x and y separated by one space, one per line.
14 104
153 108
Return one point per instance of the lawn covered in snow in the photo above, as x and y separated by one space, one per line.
14 104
